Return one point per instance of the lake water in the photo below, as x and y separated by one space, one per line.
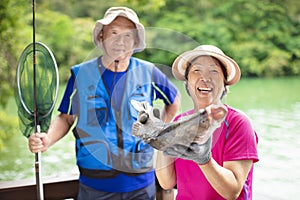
273 105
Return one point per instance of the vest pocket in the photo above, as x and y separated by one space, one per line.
97 112
94 155
142 158
140 97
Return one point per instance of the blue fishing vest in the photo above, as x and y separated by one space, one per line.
105 146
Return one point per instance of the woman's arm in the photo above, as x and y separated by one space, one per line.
165 171
229 180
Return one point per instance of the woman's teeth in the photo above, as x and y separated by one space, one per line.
201 89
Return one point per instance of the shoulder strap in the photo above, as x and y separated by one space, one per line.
227 128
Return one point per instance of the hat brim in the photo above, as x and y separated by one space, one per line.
181 62
105 21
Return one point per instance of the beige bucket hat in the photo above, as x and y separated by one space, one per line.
114 12
181 62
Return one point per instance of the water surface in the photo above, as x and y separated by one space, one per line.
273 106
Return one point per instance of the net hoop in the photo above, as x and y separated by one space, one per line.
24 55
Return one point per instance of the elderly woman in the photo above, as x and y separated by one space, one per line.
222 167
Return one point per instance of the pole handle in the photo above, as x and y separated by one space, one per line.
38 172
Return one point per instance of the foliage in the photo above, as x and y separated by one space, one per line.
7 127
259 35
144 5
254 33
13 33
262 36
49 31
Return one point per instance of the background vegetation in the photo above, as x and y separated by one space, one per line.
263 36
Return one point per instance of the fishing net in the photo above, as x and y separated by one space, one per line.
38 97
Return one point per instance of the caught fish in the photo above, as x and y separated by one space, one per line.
195 128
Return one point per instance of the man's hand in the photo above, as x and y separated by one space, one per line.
200 153
38 142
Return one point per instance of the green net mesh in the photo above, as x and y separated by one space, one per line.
46 76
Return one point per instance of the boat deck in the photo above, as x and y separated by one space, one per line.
54 189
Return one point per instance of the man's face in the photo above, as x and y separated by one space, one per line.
205 81
119 38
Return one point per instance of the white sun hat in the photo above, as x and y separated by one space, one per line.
114 12
181 62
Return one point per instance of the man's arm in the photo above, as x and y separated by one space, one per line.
59 127
169 111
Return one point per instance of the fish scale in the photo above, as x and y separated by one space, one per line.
195 128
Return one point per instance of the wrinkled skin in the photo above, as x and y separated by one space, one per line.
195 128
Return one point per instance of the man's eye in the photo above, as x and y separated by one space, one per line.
129 35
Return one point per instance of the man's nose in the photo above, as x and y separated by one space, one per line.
120 39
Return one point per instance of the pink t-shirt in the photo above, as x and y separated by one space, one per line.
234 140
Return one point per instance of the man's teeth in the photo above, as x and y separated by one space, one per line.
204 89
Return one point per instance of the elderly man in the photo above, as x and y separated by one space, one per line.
113 164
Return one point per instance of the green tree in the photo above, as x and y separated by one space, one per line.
13 36
259 35
263 36
56 30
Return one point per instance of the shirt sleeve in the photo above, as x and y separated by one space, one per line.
66 102
163 87
242 139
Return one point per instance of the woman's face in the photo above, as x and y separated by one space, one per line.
119 38
205 81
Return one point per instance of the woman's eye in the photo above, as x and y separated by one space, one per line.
214 71
195 69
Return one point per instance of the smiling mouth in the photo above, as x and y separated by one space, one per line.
204 89
119 50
